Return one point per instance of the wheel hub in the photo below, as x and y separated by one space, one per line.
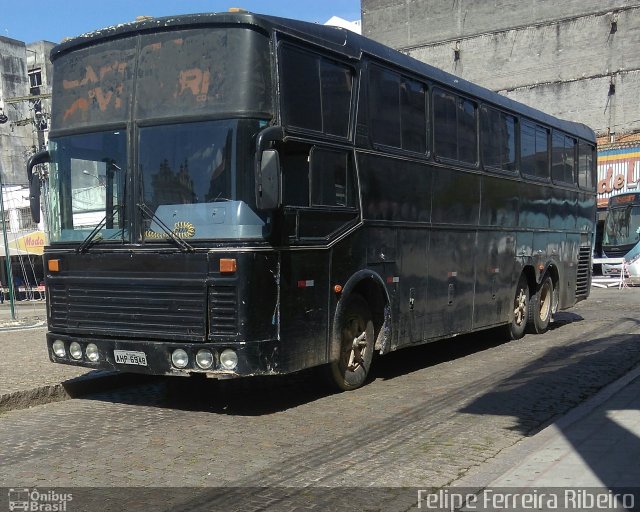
356 355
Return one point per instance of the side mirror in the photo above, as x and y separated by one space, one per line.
268 169
268 181
41 157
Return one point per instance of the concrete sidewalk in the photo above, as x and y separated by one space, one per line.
596 445
28 378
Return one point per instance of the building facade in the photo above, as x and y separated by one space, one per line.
576 59
25 106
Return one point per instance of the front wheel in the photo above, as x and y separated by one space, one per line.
354 333
542 305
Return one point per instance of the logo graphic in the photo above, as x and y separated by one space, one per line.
38 501
19 499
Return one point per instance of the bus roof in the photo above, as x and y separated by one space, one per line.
335 39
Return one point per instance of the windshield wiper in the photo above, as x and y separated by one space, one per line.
180 242
86 243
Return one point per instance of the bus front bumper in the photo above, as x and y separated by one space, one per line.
233 359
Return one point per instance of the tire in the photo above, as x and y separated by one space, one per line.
542 304
354 332
520 310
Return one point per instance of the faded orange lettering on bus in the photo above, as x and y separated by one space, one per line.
195 80
103 99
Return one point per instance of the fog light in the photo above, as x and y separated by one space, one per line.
58 348
92 352
179 358
229 359
204 359
75 350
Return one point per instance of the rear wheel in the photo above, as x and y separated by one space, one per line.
354 333
542 304
520 312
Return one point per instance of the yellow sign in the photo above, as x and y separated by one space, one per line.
32 243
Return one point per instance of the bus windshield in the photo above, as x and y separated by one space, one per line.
195 178
198 179
87 185
622 226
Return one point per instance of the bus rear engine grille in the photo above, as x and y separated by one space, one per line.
155 309
582 280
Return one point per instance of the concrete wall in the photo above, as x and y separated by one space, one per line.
403 23
16 137
559 57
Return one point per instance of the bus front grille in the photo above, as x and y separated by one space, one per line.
616 252
582 280
223 308
138 309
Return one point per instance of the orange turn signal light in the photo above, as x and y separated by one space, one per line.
53 265
337 288
228 265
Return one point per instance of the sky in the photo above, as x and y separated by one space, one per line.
53 20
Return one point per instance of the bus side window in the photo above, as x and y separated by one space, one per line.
294 161
534 154
563 158
384 106
331 178
498 139
445 125
585 166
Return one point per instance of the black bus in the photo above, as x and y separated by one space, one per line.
237 194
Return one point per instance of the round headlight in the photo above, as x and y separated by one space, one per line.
92 352
179 358
75 350
229 359
204 359
58 348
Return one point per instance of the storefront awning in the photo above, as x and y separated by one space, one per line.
25 244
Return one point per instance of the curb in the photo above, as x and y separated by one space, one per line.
92 383
19 325
481 477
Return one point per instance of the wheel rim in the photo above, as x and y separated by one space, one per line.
354 343
520 310
545 301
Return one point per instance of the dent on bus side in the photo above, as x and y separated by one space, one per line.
42 157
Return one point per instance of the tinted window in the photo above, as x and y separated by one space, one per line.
534 154
332 179
498 139
300 82
384 106
316 92
563 158
336 81
455 127
467 132
294 159
413 116
585 166
444 125
397 109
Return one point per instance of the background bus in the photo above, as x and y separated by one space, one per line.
621 237
236 194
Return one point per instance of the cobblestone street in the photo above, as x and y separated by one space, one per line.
428 416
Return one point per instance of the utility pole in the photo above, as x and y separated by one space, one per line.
7 254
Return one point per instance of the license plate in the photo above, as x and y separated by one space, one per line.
130 357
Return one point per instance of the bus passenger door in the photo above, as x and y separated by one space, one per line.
319 204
